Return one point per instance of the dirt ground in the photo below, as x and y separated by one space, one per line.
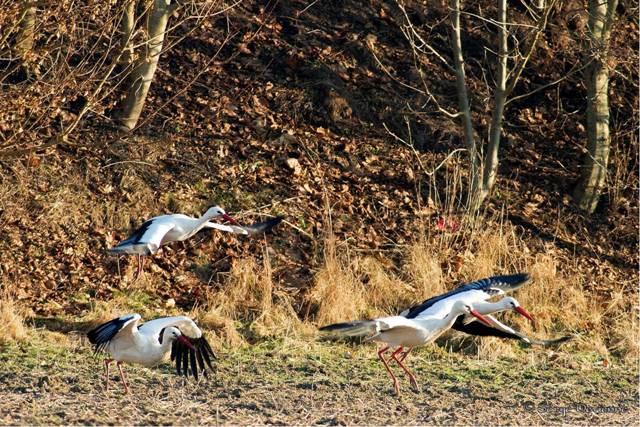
53 379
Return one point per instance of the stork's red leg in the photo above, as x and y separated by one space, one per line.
412 378
405 354
107 362
139 269
396 384
126 387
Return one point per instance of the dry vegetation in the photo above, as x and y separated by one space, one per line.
12 320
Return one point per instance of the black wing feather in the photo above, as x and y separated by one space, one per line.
173 351
185 362
265 226
179 351
480 329
186 357
102 334
194 367
200 360
490 285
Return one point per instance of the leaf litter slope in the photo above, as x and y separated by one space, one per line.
55 380
233 136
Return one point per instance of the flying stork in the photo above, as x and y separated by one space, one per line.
164 229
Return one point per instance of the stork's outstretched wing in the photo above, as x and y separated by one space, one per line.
501 330
187 359
102 334
480 290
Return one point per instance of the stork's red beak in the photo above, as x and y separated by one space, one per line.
525 314
186 342
481 318
231 220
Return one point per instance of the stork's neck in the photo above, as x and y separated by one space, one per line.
197 224
437 326
491 307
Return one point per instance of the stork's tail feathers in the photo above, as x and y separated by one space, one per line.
263 227
360 328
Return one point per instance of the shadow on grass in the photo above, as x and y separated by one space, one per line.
55 324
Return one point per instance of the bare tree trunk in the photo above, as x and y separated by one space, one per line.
26 34
490 166
504 87
127 27
142 75
594 172
463 97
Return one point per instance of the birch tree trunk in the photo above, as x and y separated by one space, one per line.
463 98
142 74
490 166
594 168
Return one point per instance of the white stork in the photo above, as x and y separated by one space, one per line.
160 230
400 332
440 308
150 343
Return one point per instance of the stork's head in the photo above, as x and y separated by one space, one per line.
217 211
171 334
511 303
461 307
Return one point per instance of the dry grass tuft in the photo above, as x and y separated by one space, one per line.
492 348
12 320
424 268
249 297
337 292
383 291
224 328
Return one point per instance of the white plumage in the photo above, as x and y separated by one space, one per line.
151 343
400 332
163 229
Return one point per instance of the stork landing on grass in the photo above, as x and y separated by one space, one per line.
477 293
151 342
464 308
401 332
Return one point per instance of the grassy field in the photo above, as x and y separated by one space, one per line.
52 378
